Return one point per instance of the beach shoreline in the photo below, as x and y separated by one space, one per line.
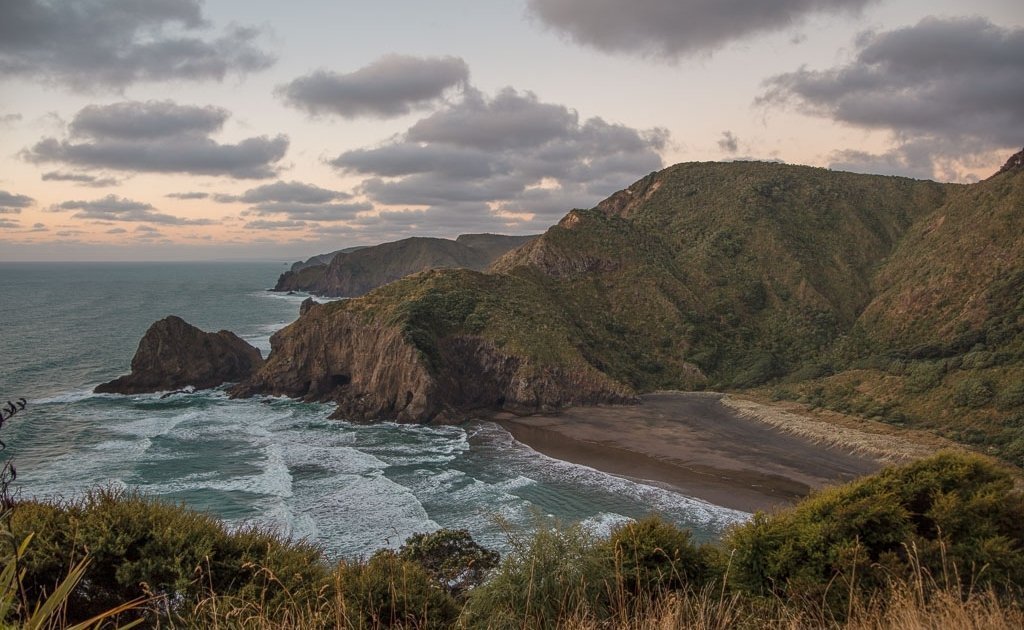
696 444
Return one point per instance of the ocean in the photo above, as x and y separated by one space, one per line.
351 488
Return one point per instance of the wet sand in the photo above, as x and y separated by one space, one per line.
692 443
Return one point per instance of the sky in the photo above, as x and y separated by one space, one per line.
259 130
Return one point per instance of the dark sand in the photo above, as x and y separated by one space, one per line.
694 444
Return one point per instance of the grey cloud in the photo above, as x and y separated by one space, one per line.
9 119
38 227
176 143
113 208
406 158
9 224
392 86
509 120
116 231
942 83
496 153
135 120
114 43
187 195
80 178
670 29
285 192
310 212
274 225
11 203
729 142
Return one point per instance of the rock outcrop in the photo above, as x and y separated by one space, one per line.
373 371
174 354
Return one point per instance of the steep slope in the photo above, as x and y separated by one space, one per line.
723 274
941 345
351 273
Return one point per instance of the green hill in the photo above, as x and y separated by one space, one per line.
354 271
889 297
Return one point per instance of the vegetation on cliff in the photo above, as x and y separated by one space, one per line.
940 541
355 271
891 298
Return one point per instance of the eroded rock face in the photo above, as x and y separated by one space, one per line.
174 354
331 355
373 372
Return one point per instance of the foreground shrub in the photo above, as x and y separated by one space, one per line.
651 556
387 592
142 547
953 516
451 557
550 577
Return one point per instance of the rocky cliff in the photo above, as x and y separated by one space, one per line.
368 357
892 298
173 354
351 273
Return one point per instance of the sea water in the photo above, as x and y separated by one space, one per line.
352 488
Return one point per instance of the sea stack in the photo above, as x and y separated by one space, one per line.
174 354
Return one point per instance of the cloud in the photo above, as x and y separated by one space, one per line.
117 231
310 211
275 225
10 224
9 119
670 29
38 227
11 203
285 192
729 142
481 159
159 137
80 178
114 43
948 90
147 232
136 120
113 208
187 195
297 201
393 85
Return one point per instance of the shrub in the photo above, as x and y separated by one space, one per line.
140 546
650 557
923 376
451 557
973 393
951 510
549 578
387 591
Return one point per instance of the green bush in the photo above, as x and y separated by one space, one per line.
547 579
949 510
139 546
387 591
924 375
651 557
451 557
974 393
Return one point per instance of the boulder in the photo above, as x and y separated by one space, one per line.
174 354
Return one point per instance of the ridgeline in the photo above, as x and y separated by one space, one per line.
355 271
891 298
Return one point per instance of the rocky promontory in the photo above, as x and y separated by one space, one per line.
378 359
174 354
355 271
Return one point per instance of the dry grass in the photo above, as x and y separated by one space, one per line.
874 439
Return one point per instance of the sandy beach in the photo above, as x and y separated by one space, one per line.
695 444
